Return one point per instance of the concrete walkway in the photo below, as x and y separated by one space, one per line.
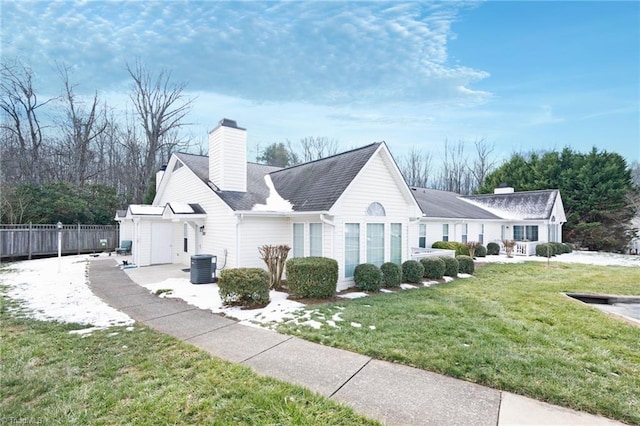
391 393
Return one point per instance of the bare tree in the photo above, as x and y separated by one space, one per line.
454 174
483 163
315 148
635 173
20 105
81 128
416 167
161 107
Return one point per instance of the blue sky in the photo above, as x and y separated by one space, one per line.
522 75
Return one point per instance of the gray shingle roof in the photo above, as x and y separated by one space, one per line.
317 185
313 186
435 203
525 205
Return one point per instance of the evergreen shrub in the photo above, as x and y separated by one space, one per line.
247 287
465 265
460 248
434 267
312 277
450 266
481 251
367 277
412 271
493 249
391 274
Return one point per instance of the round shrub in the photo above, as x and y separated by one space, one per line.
460 248
391 274
568 247
433 267
412 271
450 266
481 251
367 277
313 277
465 264
544 250
493 249
248 287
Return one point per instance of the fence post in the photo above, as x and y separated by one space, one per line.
30 236
78 238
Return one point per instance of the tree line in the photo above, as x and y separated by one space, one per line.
81 143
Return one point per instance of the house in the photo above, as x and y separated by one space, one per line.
354 207
528 217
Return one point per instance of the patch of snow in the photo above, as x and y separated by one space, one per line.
447 279
336 317
356 325
331 323
312 323
407 286
143 209
179 208
207 296
372 327
51 296
385 290
354 295
429 283
581 257
465 276
274 202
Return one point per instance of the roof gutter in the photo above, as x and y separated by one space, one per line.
243 213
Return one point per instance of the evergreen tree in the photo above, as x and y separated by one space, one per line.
596 189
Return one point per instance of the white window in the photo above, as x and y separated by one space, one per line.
315 239
481 234
351 248
528 232
375 243
422 236
298 240
376 209
445 232
465 230
396 243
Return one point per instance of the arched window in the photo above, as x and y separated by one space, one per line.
375 209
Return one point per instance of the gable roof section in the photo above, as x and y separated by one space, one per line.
525 205
317 185
444 204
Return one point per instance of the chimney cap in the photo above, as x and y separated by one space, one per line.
227 122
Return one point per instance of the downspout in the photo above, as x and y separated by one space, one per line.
323 219
239 221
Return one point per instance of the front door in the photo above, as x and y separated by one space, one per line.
161 238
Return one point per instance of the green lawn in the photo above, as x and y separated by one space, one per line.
509 328
141 377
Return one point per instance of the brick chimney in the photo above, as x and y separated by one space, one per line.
228 156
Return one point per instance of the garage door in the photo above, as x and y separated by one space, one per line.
161 237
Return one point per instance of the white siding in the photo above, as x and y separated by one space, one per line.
375 183
257 231
220 225
126 230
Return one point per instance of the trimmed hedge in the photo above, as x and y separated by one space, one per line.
481 251
465 264
434 267
460 248
391 274
412 271
493 249
367 277
248 287
450 266
545 250
312 277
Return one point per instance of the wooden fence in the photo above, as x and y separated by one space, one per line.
26 241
